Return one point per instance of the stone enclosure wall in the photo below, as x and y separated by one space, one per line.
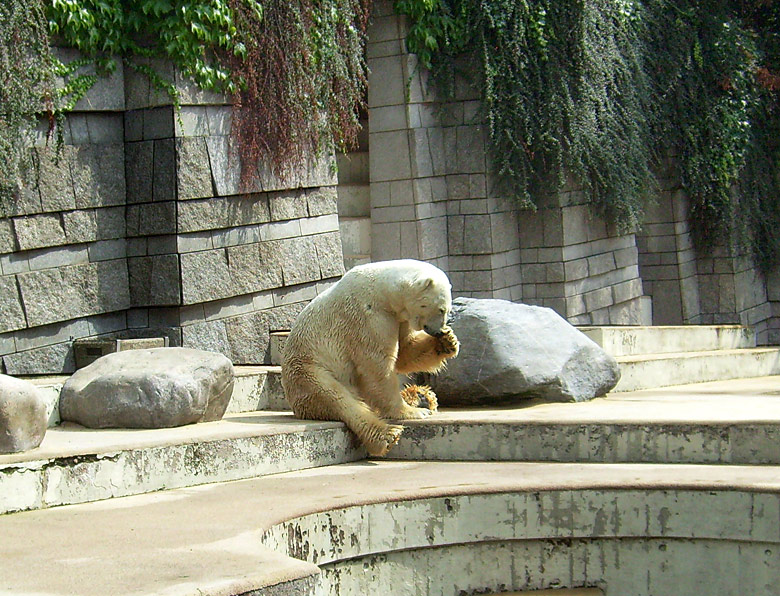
140 229
434 197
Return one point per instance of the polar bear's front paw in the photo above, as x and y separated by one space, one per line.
420 396
447 344
381 444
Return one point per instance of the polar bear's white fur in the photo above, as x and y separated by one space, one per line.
345 348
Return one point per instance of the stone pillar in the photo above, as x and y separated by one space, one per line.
733 291
218 265
667 259
430 187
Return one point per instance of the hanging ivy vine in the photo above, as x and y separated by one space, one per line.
295 70
604 88
26 87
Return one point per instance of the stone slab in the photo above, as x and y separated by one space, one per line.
630 340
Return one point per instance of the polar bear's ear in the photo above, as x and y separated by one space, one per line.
422 283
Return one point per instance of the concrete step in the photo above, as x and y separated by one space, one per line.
414 528
78 465
735 422
633 340
646 371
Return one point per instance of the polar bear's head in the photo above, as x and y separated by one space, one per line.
428 301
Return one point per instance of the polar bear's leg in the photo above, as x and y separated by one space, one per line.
383 393
420 352
323 397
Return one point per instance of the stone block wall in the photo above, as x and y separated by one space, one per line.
63 246
720 287
578 265
667 259
224 263
141 228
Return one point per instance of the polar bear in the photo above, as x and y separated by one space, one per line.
341 359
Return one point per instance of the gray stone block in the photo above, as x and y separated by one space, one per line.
7 239
164 182
158 123
329 254
208 335
249 338
191 121
150 388
154 280
139 167
151 219
223 212
80 226
205 276
56 359
226 168
27 198
107 94
23 417
300 262
220 120
61 294
110 223
59 256
39 231
245 269
193 170
286 205
105 128
11 312
107 250
55 181
134 125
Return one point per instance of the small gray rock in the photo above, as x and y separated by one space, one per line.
510 351
23 419
151 388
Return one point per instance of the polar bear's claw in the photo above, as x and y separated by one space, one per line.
447 343
382 444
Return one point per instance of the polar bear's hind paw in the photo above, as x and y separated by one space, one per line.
420 396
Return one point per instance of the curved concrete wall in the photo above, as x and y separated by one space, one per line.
640 542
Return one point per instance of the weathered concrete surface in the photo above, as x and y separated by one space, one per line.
728 422
663 339
150 388
514 351
77 465
557 515
23 419
731 422
645 371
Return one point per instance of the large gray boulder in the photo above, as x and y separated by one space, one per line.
23 418
512 351
152 388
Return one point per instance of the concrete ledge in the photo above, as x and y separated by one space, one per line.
632 340
77 465
431 528
735 422
645 371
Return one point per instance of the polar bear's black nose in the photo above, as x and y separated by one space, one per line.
434 332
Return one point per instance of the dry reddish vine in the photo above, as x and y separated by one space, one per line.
304 81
